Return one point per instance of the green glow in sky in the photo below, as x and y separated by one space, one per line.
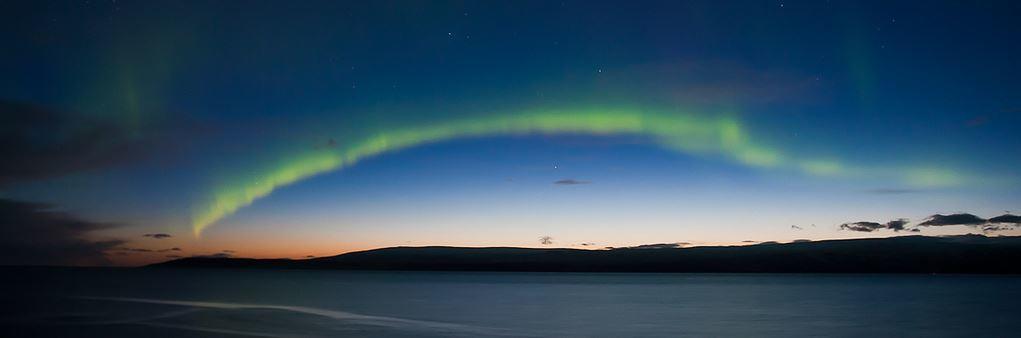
724 137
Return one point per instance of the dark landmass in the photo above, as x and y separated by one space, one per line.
907 254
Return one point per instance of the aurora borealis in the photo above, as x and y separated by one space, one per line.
686 134
289 130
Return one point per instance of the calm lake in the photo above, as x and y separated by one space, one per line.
102 302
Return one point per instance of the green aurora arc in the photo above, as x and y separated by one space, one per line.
686 133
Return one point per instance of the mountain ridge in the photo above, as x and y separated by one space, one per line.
903 254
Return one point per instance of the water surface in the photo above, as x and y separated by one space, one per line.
298 303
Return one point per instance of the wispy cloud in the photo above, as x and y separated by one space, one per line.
994 228
570 181
676 245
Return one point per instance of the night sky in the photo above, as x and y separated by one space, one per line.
135 132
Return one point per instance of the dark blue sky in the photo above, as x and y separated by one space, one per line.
262 124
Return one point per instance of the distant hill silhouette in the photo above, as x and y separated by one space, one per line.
907 254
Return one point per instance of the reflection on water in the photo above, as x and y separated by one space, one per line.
338 319
277 303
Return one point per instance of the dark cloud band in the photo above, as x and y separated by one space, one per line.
35 234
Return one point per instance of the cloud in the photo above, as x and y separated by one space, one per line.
677 245
1006 219
1002 223
36 234
749 241
895 225
171 249
329 144
173 256
998 223
157 236
993 228
570 181
953 219
229 251
861 226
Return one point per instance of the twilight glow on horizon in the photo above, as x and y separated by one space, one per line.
137 132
